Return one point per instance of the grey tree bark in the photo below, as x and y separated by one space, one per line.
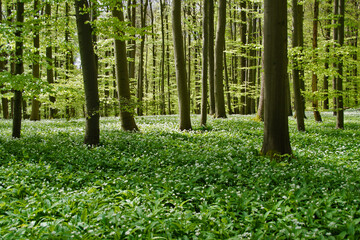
276 133
297 26
204 93
184 103
220 111
19 69
89 69
122 75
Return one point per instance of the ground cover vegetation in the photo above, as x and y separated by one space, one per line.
162 183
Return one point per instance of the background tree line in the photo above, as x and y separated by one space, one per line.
41 73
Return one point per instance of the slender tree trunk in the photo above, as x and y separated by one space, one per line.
184 103
276 132
122 76
336 38
260 110
162 82
4 101
219 62
204 93
132 42
252 61
227 88
314 82
35 106
243 32
299 106
19 69
88 63
339 84
154 104
211 57
49 60
327 52
168 66
140 90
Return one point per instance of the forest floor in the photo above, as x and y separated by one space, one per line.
165 184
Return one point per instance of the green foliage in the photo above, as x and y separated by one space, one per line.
165 184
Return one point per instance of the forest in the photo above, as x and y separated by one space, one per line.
179 119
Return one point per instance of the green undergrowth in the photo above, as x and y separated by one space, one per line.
210 183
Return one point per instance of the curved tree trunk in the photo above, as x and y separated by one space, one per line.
88 63
122 76
276 132
184 103
219 62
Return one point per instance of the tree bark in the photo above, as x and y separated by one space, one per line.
204 81
50 61
314 82
19 69
219 62
276 133
339 84
122 76
88 63
211 57
299 106
243 32
35 106
184 103
4 101
162 82
140 90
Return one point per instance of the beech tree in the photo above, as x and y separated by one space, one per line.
181 78
276 132
19 69
89 69
204 93
296 43
219 62
122 76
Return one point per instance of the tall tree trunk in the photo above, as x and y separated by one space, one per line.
140 90
276 132
327 51
35 106
243 32
211 57
299 106
19 68
184 103
336 38
339 84
154 104
314 82
4 101
204 81
122 76
219 62
162 81
168 65
88 63
50 61
252 61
